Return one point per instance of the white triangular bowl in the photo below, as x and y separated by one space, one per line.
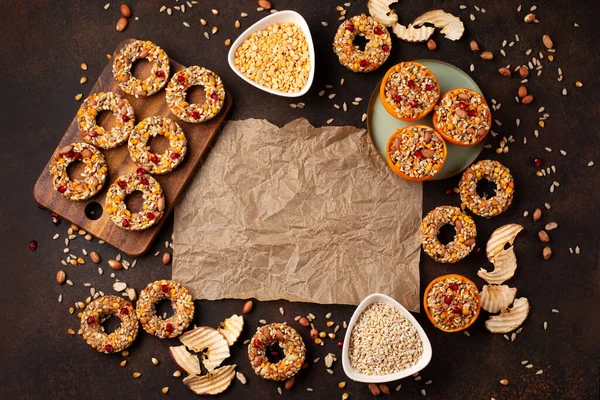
359 377
277 18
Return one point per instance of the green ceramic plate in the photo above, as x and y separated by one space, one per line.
381 124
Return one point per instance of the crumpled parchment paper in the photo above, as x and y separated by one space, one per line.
297 213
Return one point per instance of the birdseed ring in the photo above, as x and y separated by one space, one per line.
462 117
97 135
495 172
94 172
152 208
464 239
213 89
376 50
409 91
181 301
290 342
159 73
99 311
139 150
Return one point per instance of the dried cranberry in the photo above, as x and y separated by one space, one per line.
472 113
160 74
462 105
341 344
92 133
165 288
418 154
122 184
62 189
195 114
69 154
125 118
350 27
397 98
174 156
41 207
91 320
150 216
140 171
456 309
385 48
55 220
477 249
449 191
413 103
257 343
77 156
32 245
274 353
144 181
53 214
169 327
428 87
411 84
364 63
154 158
181 79
108 348
447 299
214 96
124 311
538 162
125 222
453 286
377 30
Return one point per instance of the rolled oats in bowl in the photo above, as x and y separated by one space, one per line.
383 341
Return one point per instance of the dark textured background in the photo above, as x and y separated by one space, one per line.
43 43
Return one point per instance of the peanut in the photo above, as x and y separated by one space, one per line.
303 321
487 55
474 46
60 277
529 18
543 235
122 24
523 72
266 4
504 72
522 92
166 258
547 253
537 214
125 10
431 45
247 307
374 389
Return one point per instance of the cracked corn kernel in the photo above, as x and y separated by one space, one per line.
165 390
318 341
342 385
78 96
504 382
84 66
154 361
136 375
203 22
578 84
345 396
237 24
123 363
322 334
227 42
71 331
177 374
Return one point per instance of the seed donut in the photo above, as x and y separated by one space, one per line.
186 78
376 51
152 209
139 149
97 135
289 341
181 301
94 172
99 311
136 50
462 117
495 172
464 239
409 91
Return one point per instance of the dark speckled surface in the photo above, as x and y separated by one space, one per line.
42 45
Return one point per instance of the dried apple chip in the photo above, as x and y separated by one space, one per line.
494 298
210 342
451 26
499 238
509 318
505 265
186 360
381 12
214 382
231 328
412 34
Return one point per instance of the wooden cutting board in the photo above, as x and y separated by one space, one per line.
89 214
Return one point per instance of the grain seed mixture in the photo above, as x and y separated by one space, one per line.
453 303
139 149
383 341
213 90
181 301
290 342
409 91
159 73
99 311
97 135
376 51
462 117
416 151
495 172
94 173
464 239
277 57
152 208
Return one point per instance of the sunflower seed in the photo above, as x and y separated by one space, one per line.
364 117
590 164
262 321
539 372
330 120
331 96
281 310
279 390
